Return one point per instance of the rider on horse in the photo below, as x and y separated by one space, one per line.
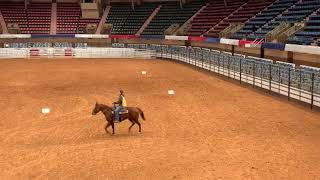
120 104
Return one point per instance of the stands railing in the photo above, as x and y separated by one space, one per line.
283 37
230 30
283 26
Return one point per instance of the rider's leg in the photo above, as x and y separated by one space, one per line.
117 111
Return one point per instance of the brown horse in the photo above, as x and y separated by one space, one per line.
132 115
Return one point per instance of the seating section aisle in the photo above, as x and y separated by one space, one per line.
242 15
171 13
264 17
310 33
211 15
69 19
128 21
33 20
296 13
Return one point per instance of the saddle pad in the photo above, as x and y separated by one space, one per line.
124 112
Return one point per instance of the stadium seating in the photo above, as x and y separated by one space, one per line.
127 21
250 9
33 20
211 15
171 13
69 19
311 31
260 17
296 13
264 17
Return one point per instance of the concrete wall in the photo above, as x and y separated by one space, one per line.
277 55
89 10
41 1
306 59
68 1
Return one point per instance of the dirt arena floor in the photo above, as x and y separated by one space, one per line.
210 129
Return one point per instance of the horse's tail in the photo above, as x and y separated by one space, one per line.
141 114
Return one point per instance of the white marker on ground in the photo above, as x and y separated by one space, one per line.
171 92
45 110
143 72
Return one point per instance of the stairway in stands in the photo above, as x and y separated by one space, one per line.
211 15
264 17
125 20
171 13
69 19
242 15
35 19
311 31
296 13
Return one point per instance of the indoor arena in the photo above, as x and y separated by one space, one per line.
219 99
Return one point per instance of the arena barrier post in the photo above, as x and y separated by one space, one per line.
223 60
253 74
240 70
232 50
219 65
213 58
300 87
289 83
167 52
210 60
312 87
195 57
270 77
202 59
228 67
279 88
261 75
188 53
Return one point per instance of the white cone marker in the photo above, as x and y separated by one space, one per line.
171 92
45 110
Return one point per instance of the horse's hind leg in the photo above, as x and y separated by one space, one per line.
139 126
133 123
136 120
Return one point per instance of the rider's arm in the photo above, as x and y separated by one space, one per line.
119 101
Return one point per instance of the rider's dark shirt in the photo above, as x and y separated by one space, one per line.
120 100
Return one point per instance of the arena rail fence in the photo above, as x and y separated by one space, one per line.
299 83
27 53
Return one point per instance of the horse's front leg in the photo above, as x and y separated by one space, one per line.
112 124
106 128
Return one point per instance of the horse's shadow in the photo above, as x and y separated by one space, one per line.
104 136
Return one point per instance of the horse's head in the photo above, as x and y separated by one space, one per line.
96 109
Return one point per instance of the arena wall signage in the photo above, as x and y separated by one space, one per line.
12 36
234 42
